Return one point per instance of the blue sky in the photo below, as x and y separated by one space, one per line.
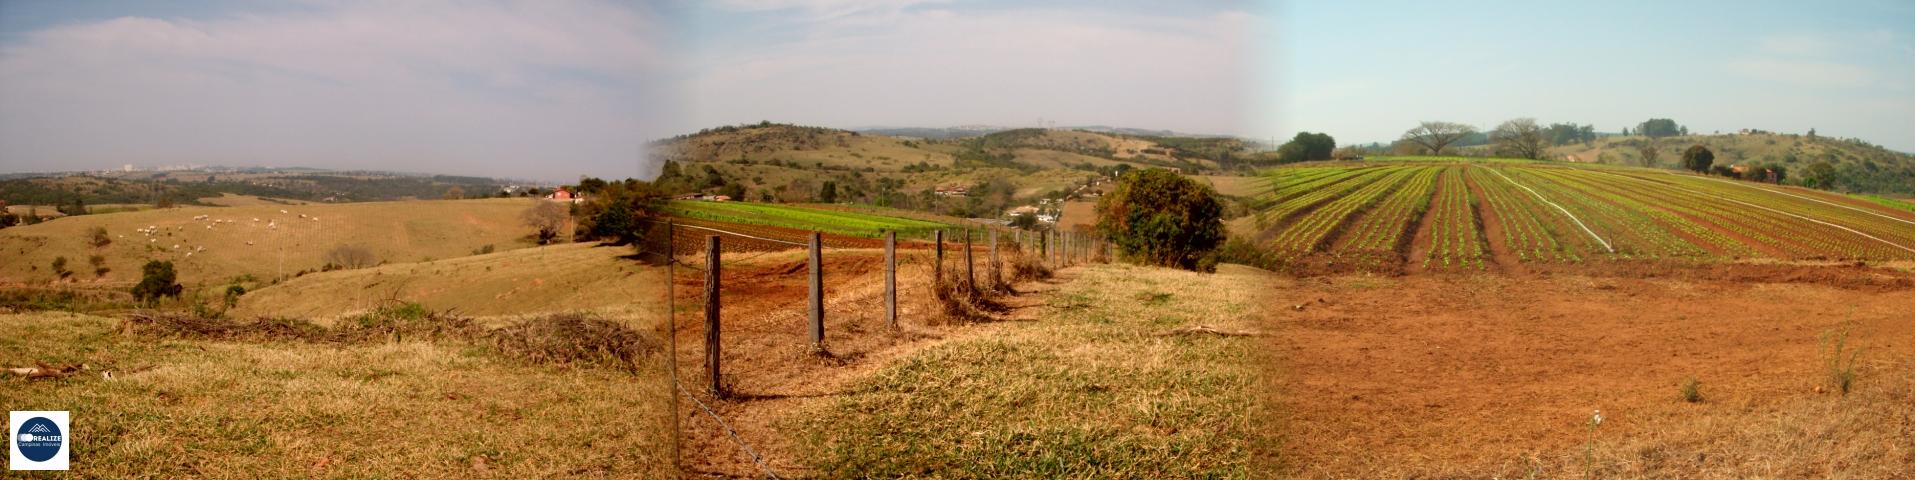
555 89
1369 70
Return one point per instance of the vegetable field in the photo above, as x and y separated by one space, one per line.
1445 214
845 223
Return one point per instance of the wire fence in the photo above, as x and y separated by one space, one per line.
928 259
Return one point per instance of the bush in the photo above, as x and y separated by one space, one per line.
99 265
1691 390
97 237
350 256
156 280
1157 217
59 268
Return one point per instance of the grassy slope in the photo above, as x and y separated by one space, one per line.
1089 390
178 408
568 277
787 216
1892 172
394 231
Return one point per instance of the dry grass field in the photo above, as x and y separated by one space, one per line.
558 278
156 405
227 242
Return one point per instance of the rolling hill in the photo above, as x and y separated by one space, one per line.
1855 166
212 245
792 163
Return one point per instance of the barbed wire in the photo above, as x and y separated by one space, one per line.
755 458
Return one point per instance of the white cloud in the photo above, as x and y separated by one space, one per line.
466 88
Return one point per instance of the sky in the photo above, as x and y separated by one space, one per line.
551 90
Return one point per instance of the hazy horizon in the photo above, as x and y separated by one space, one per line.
554 90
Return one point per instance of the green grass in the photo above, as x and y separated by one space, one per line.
1089 391
1890 202
801 218
1446 159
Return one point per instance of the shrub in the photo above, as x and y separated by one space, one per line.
156 280
1691 390
1157 217
97 237
99 265
233 292
59 268
350 256
1841 362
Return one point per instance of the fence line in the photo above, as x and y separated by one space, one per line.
1055 247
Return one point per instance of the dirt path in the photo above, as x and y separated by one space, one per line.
769 366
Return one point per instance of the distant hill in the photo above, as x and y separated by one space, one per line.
1856 166
791 163
188 186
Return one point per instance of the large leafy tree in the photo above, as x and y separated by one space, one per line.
1435 136
1157 217
1698 158
1658 128
1307 146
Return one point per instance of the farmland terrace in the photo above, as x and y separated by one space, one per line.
1455 215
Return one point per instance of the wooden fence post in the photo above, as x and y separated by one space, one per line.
711 315
970 277
817 294
995 278
1044 247
937 267
891 278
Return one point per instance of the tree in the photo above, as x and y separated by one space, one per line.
1698 158
548 218
1434 136
1161 218
455 193
1026 221
59 268
1519 138
97 237
1811 133
156 280
594 185
350 257
1307 146
1820 174
99 265
1658 128
828 193
1649 154
623 213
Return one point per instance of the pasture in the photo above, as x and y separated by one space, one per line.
213 245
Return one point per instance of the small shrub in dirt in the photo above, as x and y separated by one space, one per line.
157 279
1692 390
575 339
1841 362
59 268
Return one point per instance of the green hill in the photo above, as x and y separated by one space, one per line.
1854 166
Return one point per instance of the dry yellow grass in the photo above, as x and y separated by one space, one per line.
221 409
569 277
393 231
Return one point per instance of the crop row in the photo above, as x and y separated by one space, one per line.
1455 237
1379 236
1309 231
1531 230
